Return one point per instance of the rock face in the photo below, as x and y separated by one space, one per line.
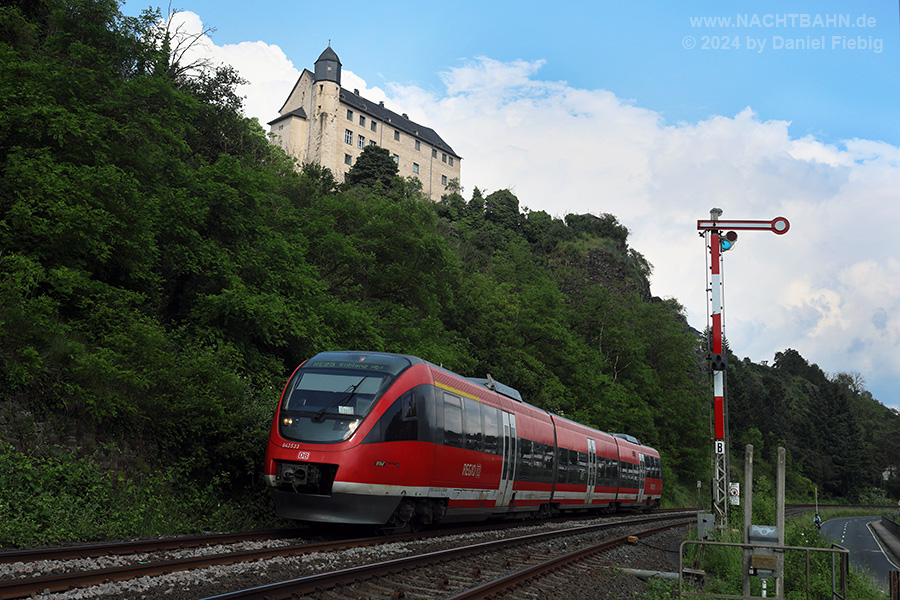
622 273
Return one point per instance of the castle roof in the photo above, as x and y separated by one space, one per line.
400 122
297 112
329 54
328 66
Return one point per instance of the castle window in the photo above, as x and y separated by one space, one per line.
443 180
418 145
348 159
396 159
361 142
451 161
373 125
433 153
348 137
415 167
396 135
444 156
362 120
349 115
373 143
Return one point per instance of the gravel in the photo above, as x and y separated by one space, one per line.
659 553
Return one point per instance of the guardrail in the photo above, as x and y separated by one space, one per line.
836 551
891 526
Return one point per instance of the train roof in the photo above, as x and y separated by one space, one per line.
627 438
498 387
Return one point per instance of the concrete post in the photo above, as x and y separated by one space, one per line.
748 515
779 521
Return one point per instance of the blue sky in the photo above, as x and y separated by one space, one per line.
635 49
649 112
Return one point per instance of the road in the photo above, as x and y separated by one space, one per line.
866 554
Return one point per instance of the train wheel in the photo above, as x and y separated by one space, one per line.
402 515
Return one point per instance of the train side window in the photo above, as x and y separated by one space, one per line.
533 460
582 467
453 423
399 421
474 431
525 460
549 457
491 418
563 469
570 460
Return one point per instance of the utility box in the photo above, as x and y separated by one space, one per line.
706 524
763 561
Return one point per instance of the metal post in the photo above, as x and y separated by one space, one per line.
717 364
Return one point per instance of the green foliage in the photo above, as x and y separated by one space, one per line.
165 267
374 166
839 440
65 495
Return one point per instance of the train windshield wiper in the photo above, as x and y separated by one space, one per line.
350 392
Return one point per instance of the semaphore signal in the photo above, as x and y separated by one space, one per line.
717 244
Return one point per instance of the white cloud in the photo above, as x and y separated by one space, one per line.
827 288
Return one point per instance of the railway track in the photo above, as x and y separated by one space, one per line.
134 547
476 571
139 566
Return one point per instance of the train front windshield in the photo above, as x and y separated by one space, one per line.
333 392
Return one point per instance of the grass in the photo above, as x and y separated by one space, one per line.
724 565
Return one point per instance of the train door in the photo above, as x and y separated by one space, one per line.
592 470
510 451
641 478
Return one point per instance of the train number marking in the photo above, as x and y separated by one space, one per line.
291 445
469 470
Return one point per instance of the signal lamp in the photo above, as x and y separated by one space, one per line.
728 240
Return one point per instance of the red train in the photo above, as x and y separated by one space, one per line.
389 439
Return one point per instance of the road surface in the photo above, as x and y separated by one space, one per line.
866 555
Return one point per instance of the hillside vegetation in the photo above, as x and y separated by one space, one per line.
164 268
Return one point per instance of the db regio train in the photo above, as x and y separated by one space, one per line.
395 441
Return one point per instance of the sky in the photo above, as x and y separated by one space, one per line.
655 112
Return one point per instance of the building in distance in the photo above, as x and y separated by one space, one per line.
321 122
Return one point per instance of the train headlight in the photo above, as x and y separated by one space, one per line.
287 421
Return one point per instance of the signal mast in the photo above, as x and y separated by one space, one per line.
718 243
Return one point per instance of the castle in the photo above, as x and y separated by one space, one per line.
321 122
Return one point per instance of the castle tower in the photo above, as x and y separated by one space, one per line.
327 92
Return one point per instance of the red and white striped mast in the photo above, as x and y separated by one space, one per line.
717 244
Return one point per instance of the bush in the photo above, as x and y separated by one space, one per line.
58 497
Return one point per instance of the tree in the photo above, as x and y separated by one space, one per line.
374 166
